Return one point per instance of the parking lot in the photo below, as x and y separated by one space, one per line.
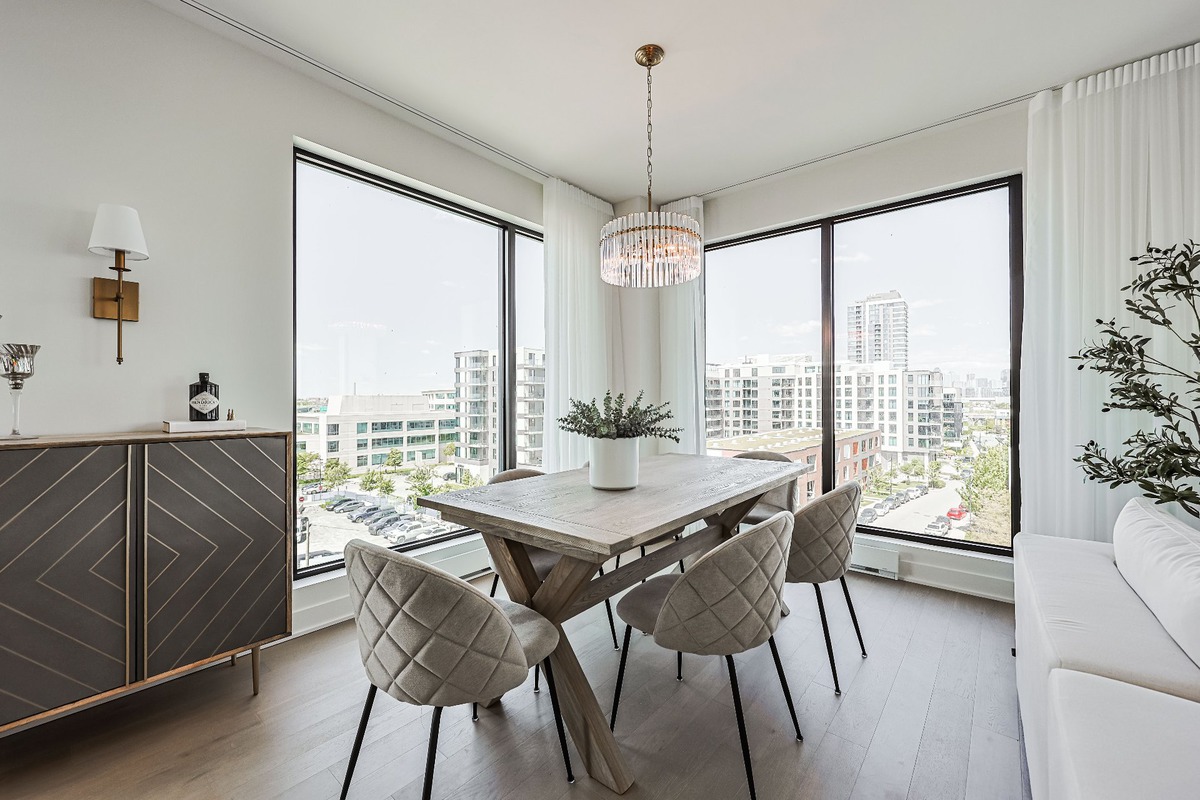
914 515
329 532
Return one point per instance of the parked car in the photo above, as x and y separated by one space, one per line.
938 527
958 512
867 516
345 508
898 499
913 492
883 507
923 488
336 503
389 525
360 514
367 519
382 520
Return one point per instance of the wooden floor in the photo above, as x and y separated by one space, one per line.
932 713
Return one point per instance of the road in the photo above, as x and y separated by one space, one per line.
914 515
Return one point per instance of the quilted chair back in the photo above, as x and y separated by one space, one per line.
786 497
729 601
514 475
426 637
823 535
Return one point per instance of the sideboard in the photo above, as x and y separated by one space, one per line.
129 559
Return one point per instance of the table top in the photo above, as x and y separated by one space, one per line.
562 512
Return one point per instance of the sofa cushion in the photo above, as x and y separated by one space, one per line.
1075 611
1159 556
1114 740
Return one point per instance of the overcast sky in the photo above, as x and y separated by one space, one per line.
389 288
949 260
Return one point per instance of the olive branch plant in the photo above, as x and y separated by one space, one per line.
1165 462
613 419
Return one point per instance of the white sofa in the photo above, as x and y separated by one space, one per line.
1087 640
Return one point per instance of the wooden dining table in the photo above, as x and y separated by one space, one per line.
561 512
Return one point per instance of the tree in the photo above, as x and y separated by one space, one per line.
420 483
386 486
933 474
370 481
449 450
1165 462
308 466
336 473
913 468
468 480
395 458
986 496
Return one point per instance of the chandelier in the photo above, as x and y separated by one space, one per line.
652 248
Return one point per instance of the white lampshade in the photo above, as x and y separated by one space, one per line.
118 228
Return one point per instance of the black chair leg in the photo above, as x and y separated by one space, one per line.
427 792
741 721
474 712
612 720
853 617
837 689
558 721
612 625
495 584
358 739
787 692
679 666
537 678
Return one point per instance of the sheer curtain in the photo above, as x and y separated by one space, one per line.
681 348
1114 163
583 319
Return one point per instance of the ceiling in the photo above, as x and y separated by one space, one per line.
746 88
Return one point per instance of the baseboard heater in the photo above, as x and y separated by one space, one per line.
875 561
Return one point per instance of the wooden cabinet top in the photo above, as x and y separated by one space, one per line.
135 437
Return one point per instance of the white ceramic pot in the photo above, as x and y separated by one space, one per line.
614 463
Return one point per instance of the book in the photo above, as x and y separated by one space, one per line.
190 426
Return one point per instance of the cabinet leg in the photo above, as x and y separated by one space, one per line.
254 651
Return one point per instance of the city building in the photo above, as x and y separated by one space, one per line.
857 452
877 330
479 409
361 431
952 413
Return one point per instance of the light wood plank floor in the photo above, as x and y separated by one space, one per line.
932 713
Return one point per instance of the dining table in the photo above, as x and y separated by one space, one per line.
561 512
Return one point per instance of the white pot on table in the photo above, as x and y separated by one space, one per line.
614 463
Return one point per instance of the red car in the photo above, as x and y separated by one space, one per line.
958 512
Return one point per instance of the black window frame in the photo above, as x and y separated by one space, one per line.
506 345
1016 250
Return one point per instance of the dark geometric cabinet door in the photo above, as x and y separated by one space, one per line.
64 517
216 568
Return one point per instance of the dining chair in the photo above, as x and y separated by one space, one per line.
430 639
822 538
782 498
727 603
543 562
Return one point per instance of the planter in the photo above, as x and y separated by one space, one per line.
614 463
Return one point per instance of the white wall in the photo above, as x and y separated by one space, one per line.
120 101
955 154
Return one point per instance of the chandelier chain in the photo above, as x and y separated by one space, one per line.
649 140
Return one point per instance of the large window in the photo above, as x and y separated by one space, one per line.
405 306
907 318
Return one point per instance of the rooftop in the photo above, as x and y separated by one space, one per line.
787 440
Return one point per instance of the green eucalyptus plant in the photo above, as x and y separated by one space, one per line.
613 419
1164 463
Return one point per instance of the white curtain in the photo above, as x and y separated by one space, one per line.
1114 163
583 321
681 348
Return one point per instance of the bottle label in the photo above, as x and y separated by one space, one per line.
203 402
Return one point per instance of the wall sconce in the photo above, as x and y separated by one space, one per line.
117 232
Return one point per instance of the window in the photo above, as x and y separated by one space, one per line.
442 364
925 297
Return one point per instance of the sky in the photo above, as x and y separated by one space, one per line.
389 288
949 260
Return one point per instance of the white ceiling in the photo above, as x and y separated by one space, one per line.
746 88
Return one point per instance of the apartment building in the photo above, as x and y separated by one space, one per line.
362 430
479 409
770 393
877 330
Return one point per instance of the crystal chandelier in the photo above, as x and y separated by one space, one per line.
652 248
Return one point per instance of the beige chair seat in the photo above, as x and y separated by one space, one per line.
537 635
640 607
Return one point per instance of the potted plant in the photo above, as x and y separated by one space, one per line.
1165 461
615 430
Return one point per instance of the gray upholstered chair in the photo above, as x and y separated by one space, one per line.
821 541
728 602
542 560
782 498
430 639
